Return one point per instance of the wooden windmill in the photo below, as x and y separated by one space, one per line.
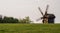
47 18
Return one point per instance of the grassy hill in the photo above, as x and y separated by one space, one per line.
29 28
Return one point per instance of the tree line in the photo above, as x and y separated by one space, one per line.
6 19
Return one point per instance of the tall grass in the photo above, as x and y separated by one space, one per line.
29 28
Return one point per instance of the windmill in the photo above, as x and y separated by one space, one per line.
46 18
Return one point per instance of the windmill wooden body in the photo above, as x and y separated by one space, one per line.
47 18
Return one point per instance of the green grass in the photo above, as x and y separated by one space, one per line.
29 28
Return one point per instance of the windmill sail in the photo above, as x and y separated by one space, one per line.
46 10
38 19
40 11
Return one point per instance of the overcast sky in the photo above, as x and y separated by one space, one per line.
22 8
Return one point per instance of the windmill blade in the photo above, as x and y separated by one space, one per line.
46 9
39 19
40 11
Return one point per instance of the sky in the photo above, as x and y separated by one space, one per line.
23 8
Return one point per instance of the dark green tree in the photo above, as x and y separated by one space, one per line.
0 18
10 20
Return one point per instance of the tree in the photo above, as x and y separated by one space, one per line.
10 20
25 20
0 18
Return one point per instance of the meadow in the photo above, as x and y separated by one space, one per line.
29 28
